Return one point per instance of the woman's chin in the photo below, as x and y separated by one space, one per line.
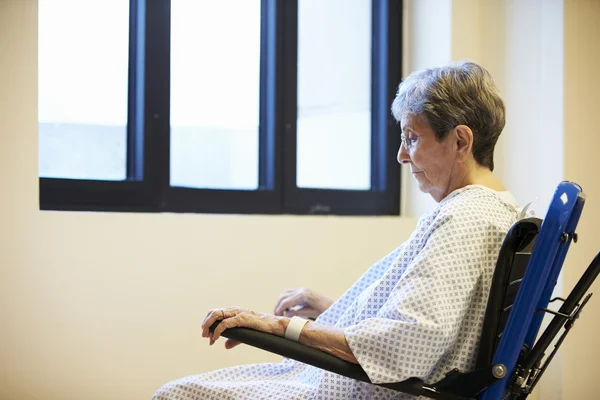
428 189
423 186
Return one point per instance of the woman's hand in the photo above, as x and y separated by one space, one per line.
322 337
302 302
240 317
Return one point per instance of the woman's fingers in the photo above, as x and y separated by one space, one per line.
235 316
230 343
296 299
302 312
212 317
215 315
302 302
228 323
282 297
225 324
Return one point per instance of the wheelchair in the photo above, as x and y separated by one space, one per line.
512 354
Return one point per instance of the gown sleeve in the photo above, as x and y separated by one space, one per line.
375 272
421 312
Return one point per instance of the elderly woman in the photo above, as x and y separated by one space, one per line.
417 312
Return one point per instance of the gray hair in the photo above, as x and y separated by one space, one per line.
458 94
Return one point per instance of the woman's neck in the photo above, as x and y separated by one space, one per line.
483 176
472 174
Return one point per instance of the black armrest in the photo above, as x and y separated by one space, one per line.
308 355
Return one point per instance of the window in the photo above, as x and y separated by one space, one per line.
235 106
83 89
334 94
215 89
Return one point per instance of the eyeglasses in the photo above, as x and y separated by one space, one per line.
409 142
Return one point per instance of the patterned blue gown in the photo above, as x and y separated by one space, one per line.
418 312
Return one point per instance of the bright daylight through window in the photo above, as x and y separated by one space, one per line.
82 109
334 94
215 82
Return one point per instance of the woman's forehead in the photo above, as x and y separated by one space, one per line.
414 122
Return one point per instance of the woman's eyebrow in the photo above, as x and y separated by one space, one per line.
403 128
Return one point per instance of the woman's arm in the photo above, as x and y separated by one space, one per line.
328 339
322 337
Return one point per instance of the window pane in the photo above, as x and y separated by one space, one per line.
334 94
83 67
215 76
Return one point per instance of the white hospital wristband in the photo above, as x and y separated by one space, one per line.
294 328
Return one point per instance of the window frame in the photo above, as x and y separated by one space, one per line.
147 185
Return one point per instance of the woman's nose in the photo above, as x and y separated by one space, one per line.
403 156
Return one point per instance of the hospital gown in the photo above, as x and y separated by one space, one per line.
418 312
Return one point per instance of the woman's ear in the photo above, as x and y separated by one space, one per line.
464 141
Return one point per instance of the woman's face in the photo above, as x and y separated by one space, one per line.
431 163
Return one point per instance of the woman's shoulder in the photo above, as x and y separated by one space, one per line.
477 203
478 196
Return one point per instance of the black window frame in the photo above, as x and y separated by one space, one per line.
147 187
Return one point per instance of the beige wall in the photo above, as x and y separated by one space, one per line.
99 305
581 146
